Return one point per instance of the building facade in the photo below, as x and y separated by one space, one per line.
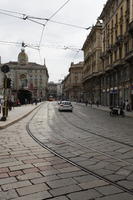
52 90
117 53
29 80
92 68
72 85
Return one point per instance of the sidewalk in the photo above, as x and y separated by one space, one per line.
107 109
16 114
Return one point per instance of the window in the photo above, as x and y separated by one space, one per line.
120 52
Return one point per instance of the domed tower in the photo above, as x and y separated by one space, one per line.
22 57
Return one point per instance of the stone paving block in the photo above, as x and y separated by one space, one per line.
4 175
20 167
9 164
126 183
7 160
113 167
123 172
36 196
114 177
72 174
7 180
86 178
5 169
60 198
109 189
93 184
49 172
130 177
30 170
44 163
15 173
10 194
65 190
121 196
69 169
55 160
44 155
27 157
35 160
29 176
84 195
61 182
32 189
103 172
44 179
60 166
15 185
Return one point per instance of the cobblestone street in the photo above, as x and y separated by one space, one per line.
29 171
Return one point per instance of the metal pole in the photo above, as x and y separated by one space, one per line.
4 107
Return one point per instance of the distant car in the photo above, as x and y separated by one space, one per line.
65 106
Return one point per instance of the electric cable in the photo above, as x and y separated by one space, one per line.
30 18
36 47
10 15
51 18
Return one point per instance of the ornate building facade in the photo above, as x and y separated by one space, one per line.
92 68
117 52
29 80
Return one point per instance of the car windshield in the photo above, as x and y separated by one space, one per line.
66 102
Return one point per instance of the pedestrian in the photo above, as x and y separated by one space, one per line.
127 105
86 102
91 103
35 101
97 103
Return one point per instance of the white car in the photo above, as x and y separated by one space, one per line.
65 106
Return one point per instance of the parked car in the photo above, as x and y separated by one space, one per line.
65 106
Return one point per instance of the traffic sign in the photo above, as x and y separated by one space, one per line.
5 68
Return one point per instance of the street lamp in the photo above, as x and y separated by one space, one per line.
5 69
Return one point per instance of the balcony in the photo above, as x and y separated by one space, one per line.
129 56
108 67
103 55
119 39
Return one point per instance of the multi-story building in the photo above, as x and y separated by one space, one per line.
59 90
29 80
65 87
52 90
73 89
117 52
92 68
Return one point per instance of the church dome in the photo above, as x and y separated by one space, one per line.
22 57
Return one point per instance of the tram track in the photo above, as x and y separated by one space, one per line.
89 148
71 162
92 132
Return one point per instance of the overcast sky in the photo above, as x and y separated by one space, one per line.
83 13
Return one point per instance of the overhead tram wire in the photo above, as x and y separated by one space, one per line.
31 18
47 22
50 19
9 11
36 47
10 15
